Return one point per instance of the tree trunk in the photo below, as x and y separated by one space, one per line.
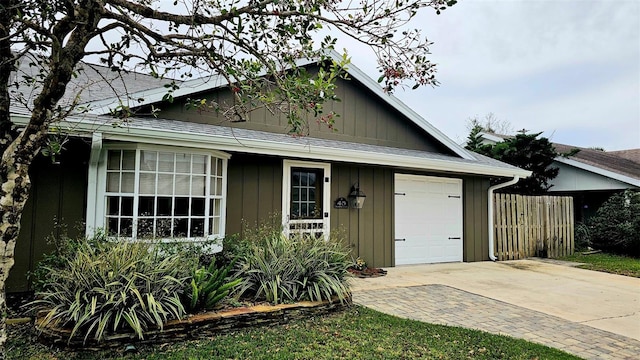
14 192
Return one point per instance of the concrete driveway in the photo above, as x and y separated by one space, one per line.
588 313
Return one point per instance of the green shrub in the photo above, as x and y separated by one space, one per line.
109 286
284 269
616 226
582 236
208 287
64 248
239 245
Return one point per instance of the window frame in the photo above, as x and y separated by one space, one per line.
102 193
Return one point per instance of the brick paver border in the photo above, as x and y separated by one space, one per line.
441 304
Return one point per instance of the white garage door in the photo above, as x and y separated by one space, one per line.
428 219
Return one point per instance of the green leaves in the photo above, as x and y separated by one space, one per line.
283 269
208 287
110 286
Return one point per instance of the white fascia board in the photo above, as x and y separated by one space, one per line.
86 127
600 171
153 96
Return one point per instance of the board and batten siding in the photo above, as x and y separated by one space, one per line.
363 118
254 190
58 195
368 231
475 219
255 193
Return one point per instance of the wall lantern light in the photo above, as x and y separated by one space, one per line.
357 196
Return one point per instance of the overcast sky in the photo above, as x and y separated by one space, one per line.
570 68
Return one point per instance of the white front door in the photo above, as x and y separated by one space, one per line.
306 197
428 219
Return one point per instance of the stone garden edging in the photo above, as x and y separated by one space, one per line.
198 325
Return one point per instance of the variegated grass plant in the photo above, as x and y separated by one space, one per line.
286 269
106 287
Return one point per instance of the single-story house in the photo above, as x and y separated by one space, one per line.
192 175
590 176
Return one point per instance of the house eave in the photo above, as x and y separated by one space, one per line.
87 126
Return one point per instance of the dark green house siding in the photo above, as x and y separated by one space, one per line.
363 118
58 195
254 190
475 218
369 232
254 193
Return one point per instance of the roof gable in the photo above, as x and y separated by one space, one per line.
155 95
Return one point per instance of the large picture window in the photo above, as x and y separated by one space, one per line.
164 194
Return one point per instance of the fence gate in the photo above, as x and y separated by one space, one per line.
527 226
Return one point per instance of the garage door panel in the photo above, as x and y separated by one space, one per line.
428 217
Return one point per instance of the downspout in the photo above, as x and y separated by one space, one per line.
92 183
490 211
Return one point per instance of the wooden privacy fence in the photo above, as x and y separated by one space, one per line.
526 226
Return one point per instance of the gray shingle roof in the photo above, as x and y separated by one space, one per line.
603 160
244 134
625 163
630 154
93 82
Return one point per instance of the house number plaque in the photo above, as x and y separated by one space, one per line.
341 203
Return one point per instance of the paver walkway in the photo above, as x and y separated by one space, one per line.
441 304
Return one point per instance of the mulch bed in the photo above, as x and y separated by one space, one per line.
367 272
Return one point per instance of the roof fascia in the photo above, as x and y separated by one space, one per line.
86 127
600 171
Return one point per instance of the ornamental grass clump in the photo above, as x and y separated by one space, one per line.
208 287
287 269
108 287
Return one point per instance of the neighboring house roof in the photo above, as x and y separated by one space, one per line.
180 133
155 95
630 154
608 164
602 163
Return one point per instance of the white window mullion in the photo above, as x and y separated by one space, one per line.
207 195
136 195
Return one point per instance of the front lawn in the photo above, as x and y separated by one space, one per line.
614 264
357 333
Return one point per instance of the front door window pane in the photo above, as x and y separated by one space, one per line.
306 193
